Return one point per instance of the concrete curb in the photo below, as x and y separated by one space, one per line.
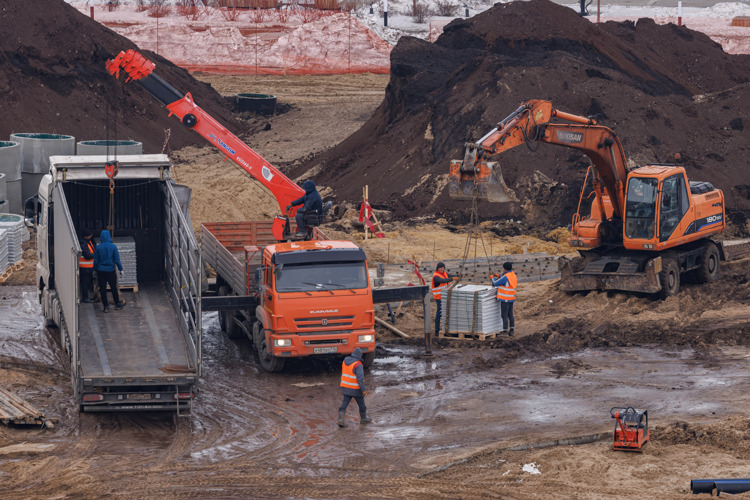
584 439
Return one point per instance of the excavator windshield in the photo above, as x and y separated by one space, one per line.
640 208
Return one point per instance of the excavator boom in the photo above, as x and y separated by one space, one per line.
139 69
529 123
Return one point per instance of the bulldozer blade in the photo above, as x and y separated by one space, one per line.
486 184
593 277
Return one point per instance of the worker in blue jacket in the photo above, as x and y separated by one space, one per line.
311 203
106 258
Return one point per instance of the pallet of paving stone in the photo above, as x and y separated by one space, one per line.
128 258
16 410
470 310
16 233
467 335
4 260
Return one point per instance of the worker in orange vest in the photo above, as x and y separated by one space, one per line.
506 294
86 265
353 386
440 280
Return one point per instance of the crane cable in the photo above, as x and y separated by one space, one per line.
111 167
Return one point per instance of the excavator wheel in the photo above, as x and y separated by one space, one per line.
226 318
669 277
269 362
709 269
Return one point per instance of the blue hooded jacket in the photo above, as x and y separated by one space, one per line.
106 255
311 201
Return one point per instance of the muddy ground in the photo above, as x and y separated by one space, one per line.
443 424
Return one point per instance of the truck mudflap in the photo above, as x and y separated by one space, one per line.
609 273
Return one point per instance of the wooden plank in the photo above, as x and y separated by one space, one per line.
391 328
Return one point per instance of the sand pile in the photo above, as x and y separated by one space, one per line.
52 79
663 89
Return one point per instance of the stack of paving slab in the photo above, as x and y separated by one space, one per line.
126 248
471 309
16 233
4 261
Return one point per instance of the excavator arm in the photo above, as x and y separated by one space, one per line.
141 70
529 124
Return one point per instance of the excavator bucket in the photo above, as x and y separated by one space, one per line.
482 180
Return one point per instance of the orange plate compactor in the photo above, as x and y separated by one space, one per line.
631 428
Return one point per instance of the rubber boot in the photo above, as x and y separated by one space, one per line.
364 419
342 418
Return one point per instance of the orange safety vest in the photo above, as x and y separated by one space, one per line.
436 294
348 378
507 292
83 261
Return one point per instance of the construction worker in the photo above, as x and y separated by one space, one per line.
506 294
353 386
86 265
311 203
106 257
440 279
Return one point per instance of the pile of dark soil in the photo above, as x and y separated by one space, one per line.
663 89
52 79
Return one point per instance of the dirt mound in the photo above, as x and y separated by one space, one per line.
663 89
52 79
730 435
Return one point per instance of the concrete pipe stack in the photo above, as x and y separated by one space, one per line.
36 148
109 148
10 167
3 194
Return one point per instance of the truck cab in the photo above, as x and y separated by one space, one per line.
314 298
292 299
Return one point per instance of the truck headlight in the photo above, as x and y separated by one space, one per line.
366 338
282 342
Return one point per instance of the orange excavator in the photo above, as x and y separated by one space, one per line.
646 225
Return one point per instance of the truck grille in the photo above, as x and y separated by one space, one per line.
329 322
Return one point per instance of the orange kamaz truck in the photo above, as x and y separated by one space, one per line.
292 291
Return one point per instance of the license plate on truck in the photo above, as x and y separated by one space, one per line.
325 350
138 397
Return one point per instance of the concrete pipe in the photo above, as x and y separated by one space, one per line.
14 196
10 160
30 185
37 148
3 188
109 148
257 103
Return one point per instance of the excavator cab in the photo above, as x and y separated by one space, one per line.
476 178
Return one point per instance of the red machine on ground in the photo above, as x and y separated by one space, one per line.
631 428
293 299
646 224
